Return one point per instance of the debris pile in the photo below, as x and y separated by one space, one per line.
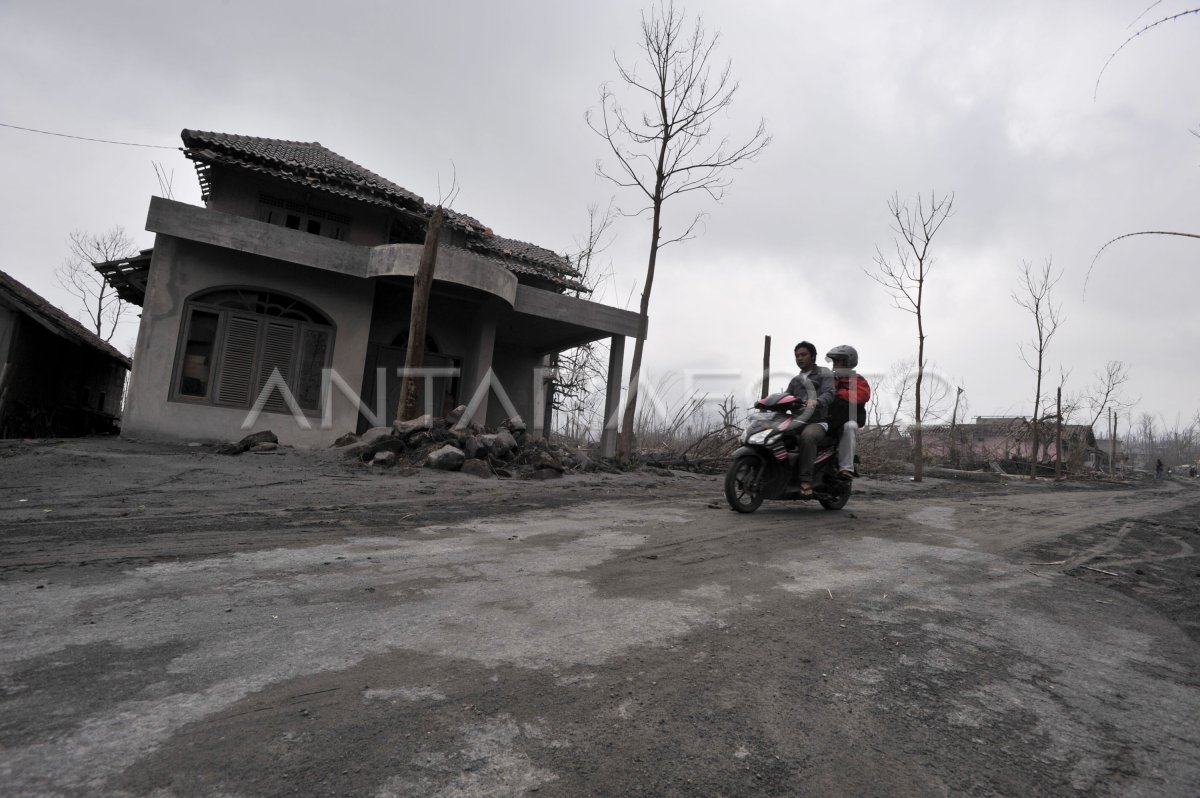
450 445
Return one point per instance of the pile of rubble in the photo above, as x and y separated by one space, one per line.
449 445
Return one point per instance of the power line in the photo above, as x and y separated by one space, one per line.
85 138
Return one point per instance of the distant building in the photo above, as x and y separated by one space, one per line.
57 378
1010 438
288 296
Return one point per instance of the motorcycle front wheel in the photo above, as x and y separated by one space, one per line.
744 484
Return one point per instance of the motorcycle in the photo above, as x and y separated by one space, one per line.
764 467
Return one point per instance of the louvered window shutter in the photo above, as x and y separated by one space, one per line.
237 361
277 353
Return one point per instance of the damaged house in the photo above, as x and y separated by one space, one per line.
57 378
284 303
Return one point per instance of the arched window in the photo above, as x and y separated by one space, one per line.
234 339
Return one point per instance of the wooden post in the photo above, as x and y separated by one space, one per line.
414 358
1112 443
766 365
954 428
1058 437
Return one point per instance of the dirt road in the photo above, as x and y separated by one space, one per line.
178 623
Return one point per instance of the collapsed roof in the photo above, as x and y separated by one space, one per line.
312 165
23 299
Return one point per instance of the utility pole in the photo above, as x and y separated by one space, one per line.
414 358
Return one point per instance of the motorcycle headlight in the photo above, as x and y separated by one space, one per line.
760 436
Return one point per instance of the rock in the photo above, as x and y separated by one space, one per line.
547 460
266 436
584 463
375 433
447 458
416 440
504 444
253 439
514 424
455 415
477 468
383 458
474 448
546 473
356 451
404 428
393 445
265 446
345 440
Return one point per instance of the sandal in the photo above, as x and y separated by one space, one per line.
844 474
806 489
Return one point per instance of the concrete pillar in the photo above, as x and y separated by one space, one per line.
612 397
543 398
477 366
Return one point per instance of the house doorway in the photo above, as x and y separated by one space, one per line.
391 359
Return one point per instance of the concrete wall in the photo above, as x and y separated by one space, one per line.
237 193
180 269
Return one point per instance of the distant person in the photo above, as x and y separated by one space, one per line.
849 409
815 384
1158 470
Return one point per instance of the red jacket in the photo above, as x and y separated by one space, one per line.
850 390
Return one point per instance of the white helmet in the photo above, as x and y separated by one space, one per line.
846 351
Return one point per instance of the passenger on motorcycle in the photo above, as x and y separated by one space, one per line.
816 385
849 410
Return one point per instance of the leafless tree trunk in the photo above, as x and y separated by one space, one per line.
103 308
668 147
1033 294
903 275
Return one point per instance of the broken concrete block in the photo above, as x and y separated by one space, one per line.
477 468
265 446
253 439
345 440
403 428
383 458
455 415
504 444
447 458
375 433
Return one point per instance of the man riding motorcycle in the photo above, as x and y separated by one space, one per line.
816 384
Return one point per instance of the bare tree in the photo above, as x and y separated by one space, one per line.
97 298
668 147
903 275
1033 294
1106 392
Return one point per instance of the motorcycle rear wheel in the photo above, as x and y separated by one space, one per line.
744 484
838 501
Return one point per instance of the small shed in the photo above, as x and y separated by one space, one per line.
57 378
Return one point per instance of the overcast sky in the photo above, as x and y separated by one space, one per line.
993 102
